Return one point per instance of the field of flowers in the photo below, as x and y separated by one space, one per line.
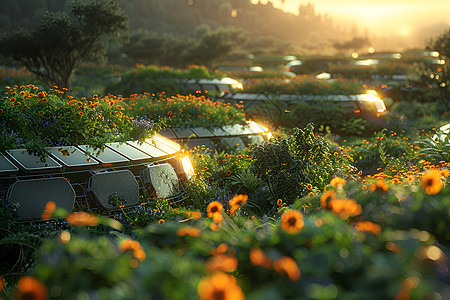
301 216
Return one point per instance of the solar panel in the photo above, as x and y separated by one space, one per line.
71 156
219 131
168 133
130 152
32 195
237 129
202 132
149 149
121 184
6 166
107 156
183 133
257 128
163 179
164 144
30 162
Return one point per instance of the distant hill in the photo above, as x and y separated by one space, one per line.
309 30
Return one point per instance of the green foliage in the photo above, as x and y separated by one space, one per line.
34 119
288 165
62 41
304 85
152 79
436 149
183 111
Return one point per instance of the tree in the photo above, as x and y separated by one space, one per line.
354 44
64 40
213 45
441 74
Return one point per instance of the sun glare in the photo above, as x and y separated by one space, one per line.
404 31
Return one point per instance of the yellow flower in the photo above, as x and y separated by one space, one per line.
431 182
292 221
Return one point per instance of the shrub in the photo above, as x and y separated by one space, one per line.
296 165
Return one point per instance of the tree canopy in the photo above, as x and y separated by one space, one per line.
63 40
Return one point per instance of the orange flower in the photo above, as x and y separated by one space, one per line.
327 198
431 182
280 202
219 286
309 187
214 208
215 226
82 219
161 221
287 265
41 113
169 113
30 288
2 283
228 173
366 226
337 181
258 258
80 113
49 209
311 194
192 231
194 214
237 202
345 208
380 186
134 246
292 221
221 262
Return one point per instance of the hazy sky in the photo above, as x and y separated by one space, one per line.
411 20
